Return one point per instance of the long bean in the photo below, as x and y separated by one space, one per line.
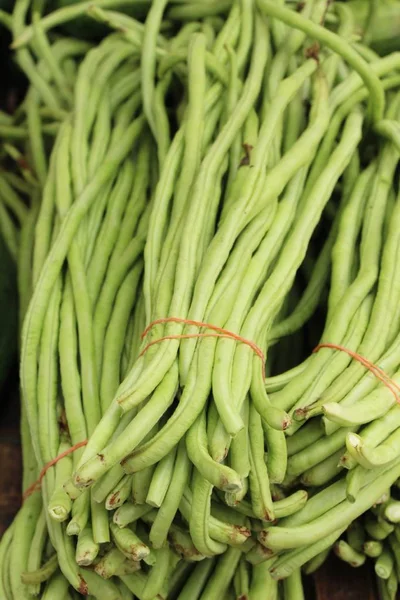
337 45
194 199
275 537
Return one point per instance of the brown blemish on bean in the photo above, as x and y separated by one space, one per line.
313 52
83 588
247 157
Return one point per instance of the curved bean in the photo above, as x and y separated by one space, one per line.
259 481
337 44
221 531
221 476
199 520
346 553
341 515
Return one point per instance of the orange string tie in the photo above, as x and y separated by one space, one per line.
36 484
220 332
375 370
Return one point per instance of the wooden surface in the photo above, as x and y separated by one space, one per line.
338 581
334 581
10 456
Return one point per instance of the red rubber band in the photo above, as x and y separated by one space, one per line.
36 485
220 333
375 370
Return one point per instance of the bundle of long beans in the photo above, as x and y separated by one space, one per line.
192 200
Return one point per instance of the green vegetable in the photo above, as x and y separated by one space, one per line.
195 194
379 23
